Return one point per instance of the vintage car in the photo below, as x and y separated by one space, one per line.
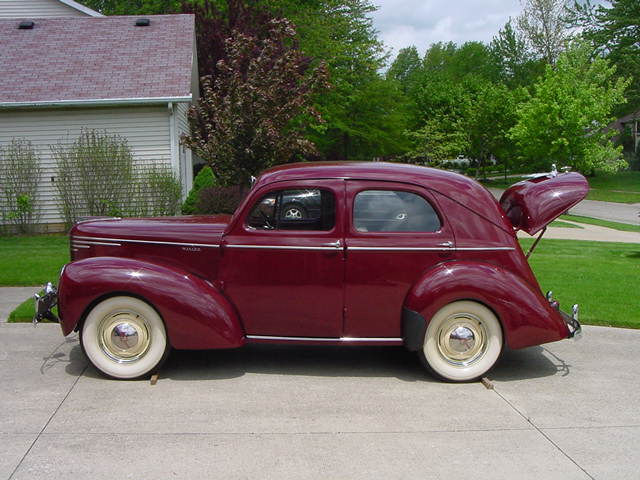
389 254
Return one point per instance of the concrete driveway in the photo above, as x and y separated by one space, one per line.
563 411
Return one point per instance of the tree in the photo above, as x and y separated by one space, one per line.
341 33
565 120
542 23
253 112
405 68
488 117
614 31
447 87
517 64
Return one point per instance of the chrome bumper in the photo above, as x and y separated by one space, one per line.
573 325
575 329
45 303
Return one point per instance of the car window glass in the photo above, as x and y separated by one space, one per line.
393 211
296 209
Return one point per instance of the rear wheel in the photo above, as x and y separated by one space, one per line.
463 341
124 337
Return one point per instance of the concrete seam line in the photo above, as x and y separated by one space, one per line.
544 435
48 421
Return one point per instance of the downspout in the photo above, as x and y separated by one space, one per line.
173 139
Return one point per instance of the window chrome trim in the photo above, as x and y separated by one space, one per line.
325 339
127 240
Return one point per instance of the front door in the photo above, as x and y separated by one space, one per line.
283 262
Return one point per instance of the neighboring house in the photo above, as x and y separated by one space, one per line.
632 122
103 73
44 9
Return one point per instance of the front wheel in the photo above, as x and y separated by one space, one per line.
124 337
463 341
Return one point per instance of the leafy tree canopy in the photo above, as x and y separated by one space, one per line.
252 112
565 119
614 30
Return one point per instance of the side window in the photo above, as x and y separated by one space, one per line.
303 209
393 211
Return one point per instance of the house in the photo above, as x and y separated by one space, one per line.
631 122
44 9
132 78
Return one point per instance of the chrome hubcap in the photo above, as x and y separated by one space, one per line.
462 339
124 336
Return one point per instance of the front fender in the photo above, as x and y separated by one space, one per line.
527 318
196 314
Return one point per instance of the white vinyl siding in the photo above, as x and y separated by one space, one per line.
145 128
37 9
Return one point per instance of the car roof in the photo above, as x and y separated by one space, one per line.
453 185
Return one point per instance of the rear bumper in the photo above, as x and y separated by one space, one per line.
571 321
573 325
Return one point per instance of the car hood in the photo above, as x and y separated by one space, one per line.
188 229
532 204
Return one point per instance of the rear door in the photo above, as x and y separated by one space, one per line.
394 233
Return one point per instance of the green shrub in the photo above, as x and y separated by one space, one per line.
219 199
96 175
19 177
204 179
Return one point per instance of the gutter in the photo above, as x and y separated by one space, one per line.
97 102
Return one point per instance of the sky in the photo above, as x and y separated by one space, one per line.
402 23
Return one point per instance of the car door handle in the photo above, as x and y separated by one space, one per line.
446 244
337 244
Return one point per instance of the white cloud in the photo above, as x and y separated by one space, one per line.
403 23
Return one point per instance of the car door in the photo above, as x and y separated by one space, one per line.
395 232
283 260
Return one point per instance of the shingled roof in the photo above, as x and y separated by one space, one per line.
96 60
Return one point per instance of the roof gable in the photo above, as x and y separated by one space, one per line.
96 59
81 8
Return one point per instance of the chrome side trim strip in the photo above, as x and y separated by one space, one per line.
430 249
73 245
87 242
282 247
128 240
325 339
398 249
484 248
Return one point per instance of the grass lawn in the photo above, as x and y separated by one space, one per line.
622 187
561 224
625 227
33 260
600 276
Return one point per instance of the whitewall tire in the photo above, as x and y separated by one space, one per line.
463 341
124 338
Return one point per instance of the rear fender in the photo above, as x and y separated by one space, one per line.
527 318
196 314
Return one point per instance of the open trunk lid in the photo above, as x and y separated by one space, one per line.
532 204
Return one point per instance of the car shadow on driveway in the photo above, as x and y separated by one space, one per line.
532 362
324 361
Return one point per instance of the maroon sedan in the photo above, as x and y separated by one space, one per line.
389 254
